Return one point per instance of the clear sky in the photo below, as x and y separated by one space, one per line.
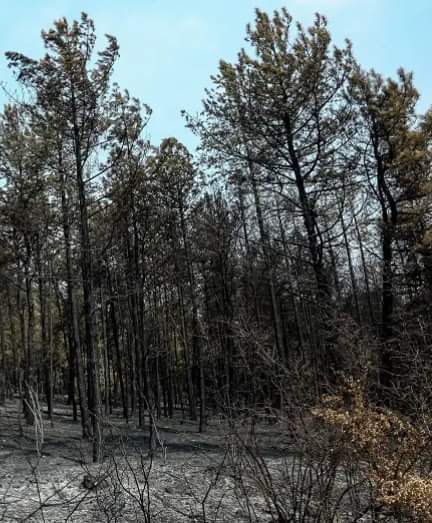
169 48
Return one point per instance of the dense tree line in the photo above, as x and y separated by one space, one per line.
295 244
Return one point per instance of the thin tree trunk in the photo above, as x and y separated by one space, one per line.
72 315
89 301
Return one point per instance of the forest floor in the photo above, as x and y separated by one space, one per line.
188 478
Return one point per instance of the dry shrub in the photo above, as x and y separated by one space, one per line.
300 488
390 447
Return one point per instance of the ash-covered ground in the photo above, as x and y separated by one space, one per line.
188 477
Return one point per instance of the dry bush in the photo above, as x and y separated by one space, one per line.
305 481
391 448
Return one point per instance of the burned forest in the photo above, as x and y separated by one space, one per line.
236 332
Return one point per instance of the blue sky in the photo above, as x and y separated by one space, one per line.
169 48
